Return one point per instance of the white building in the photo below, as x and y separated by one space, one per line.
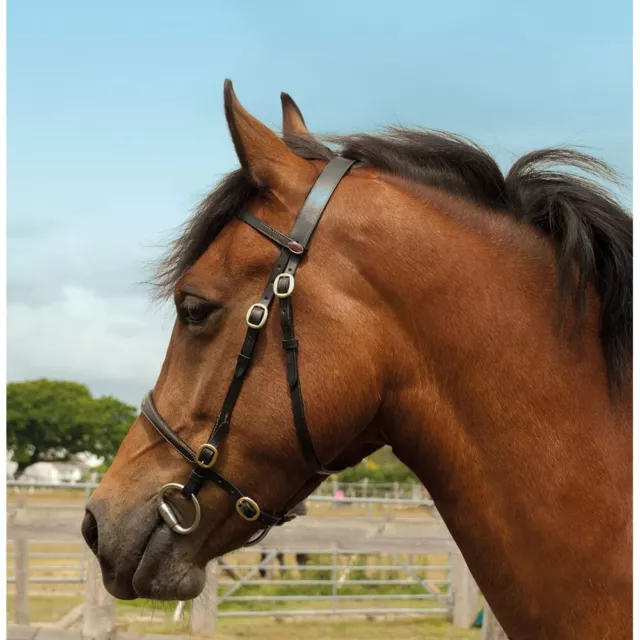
69 471
54 472
41 472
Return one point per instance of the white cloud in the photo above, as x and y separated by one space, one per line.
115 345
38 268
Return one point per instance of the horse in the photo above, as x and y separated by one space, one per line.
478 322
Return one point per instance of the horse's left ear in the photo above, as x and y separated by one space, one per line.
293 123
264 157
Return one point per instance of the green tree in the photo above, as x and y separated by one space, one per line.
381 466
52 420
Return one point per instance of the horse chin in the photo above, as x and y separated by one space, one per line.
167 573
162 574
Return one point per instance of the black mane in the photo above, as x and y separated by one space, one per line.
590 229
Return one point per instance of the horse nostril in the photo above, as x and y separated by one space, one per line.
90 531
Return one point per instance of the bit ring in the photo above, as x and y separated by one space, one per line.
167 514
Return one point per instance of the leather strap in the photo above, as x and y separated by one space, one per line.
222 424
318 199
266 230
290 345
293 249
149 410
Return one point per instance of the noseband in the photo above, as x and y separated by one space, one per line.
281 284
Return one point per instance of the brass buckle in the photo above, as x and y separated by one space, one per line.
257 325
252 503
207 447
289 291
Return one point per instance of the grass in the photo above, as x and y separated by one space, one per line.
156 618
44 608
323 629
356 568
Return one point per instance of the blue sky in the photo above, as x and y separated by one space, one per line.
116 130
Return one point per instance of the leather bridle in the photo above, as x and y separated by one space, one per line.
280 284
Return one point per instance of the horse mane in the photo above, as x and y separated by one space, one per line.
591 231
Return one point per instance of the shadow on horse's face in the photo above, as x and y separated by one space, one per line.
266 459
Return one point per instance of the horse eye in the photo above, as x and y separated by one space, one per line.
192 311
196 316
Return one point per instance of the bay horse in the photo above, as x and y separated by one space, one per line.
479 323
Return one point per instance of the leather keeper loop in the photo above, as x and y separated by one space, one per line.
290 344
242 365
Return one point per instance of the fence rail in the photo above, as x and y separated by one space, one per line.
332 582
367 506
328 491
417 584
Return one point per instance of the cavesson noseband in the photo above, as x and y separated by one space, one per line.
281 284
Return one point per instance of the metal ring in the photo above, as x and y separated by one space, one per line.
252 503
167 514
260 324
289 291
207 447
259 538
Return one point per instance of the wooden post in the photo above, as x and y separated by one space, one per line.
99 621
21 557
465 593
204 609
491 629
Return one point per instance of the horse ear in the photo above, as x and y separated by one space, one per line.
293 123
264 157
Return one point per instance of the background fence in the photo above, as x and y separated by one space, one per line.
332 491
251 584
58 581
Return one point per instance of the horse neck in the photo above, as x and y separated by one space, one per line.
509 427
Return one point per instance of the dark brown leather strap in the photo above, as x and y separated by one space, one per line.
290 345
149 410
318 199
266 230
303 228
293 249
